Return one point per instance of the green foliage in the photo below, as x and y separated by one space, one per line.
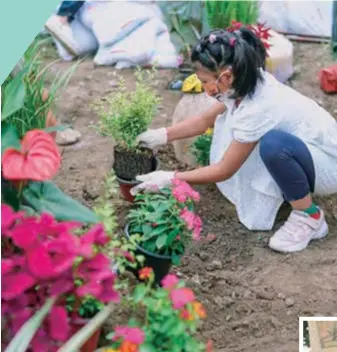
222 13
306 334
105 210
47 197
157 219
25 102
129 112
9 138
165 328
201 149
88 307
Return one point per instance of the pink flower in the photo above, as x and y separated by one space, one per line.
188 217
15 284
8 217
133 335
59 327
169 281
182 191
181 296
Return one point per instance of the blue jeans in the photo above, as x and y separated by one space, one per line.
289 162
69 9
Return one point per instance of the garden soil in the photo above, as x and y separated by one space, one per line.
253 295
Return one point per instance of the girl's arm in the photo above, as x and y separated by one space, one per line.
233 159
195 125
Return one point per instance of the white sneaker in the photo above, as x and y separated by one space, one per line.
63 33
298 231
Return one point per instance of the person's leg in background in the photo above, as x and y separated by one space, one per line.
58 25
290 163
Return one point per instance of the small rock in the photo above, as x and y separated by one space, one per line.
203 256
275 322
289 302
228 317
72 167
113 83
247 294
81 84
235 295
161 107
269 296
240 324
281 296
256 282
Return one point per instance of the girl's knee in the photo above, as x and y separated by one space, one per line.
273 144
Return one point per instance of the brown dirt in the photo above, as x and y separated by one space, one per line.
253 295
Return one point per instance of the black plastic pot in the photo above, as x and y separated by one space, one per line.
160 264
129 164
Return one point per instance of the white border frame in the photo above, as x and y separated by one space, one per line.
300 327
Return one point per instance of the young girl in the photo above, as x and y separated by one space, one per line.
271 144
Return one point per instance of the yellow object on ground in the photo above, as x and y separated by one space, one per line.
192 84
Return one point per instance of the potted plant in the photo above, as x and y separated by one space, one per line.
165 223
82 310
171 316
127 114
201 147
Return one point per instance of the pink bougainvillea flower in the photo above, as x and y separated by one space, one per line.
59 328
15 284
41 341
109 294
38 159
20 318
6 266
47 265
169 281
96 235
91 288
8 217
61 285
130 334
181 296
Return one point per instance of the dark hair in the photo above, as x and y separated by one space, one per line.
241 49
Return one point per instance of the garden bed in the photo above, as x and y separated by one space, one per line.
253 296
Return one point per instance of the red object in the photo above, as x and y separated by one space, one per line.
91 344
328 79
38 160
125 192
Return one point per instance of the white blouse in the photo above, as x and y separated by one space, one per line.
274 105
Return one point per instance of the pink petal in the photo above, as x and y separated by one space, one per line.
59 327
6 266
133 335
8 217
41 342
95 235
19 319
40 263
15 284
169 281
181 296
91 288
60 286
24 236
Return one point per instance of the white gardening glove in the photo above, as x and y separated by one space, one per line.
153 138
153 181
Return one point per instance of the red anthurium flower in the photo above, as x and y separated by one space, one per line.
38 159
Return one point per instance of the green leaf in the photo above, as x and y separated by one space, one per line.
146 229
22 339
161 241
175 259
47 197
14 96
56 128
139 293
9 138
172 236
9 195
147 347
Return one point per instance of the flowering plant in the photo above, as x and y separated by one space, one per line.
166 221
171 318
49 260
27 167
202 146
